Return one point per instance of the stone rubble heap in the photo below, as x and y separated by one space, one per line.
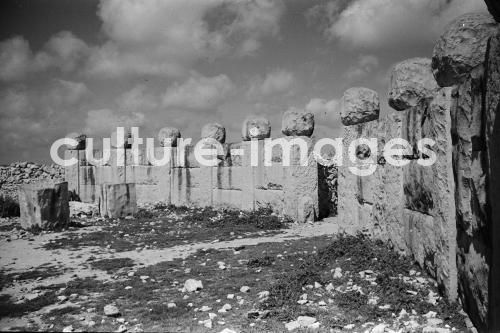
21 173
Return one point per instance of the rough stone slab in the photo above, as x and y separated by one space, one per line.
44 206
412 127
117 200
270 178
232 178
462 47
420 239
350 133
411 81
273 199
185 180
297 123
235 199
359 105
88 193
141 154
301 182
72 173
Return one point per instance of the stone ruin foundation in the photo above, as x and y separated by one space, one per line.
446 215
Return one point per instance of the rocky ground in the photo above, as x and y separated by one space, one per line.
192 270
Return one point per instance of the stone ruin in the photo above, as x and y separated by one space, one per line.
444 215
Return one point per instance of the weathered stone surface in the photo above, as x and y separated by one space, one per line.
117 200
494 8
359 105
44 206
411 81
80 139
214 131
493 147
462 47
256 128
306 210
121 142
168 136
297 123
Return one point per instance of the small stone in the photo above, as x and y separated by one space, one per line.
205 308
230 296
264 294
317 285
338 273
245 289
111 310
214 131
212 315
192 285
378 329
121 329
171 305
256 128
68 329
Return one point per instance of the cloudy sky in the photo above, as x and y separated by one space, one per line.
91 65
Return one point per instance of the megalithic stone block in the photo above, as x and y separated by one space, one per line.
117 200
44 206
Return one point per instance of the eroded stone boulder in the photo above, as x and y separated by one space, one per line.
256 128
359 105
411 81
462 47
297 123
44 206
168 136
117 200
214 131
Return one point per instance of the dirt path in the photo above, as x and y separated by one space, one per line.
21 255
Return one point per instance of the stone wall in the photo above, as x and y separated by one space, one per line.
290 190
22 173
445 215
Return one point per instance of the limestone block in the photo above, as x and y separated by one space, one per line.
270 177
420 239
122 141
117 200
44 206
273 199
414 121
462 47
300 181
162 156
411 81
235 199
214 131
359 105
117 157
191 186
147 194
418 188
494 8
88 193
140 159
102 175
297 123
72 173
256 128
367 130
232 178
235 158
306 210
168 136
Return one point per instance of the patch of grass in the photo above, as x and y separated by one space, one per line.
34 274
112 265
167 227
260 262
10 309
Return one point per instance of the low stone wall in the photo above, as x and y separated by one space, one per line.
289 190
22 173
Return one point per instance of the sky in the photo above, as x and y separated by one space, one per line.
88 66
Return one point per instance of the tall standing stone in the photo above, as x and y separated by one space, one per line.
462 47
44 206
359 105
411 81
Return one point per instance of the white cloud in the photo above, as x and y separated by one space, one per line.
275 82
65 92
105 121
378 24
169 36
139 99
365 65
326 113
15 59
63 50
199 93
